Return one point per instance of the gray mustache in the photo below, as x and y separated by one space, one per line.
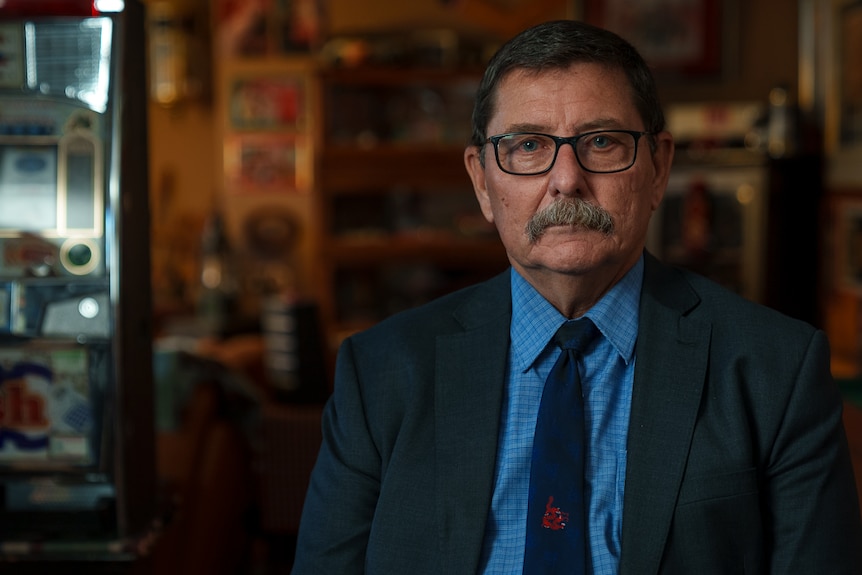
573 212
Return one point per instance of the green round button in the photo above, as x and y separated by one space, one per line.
80 255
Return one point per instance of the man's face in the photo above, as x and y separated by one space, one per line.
581 98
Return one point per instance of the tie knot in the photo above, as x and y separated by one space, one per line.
576 334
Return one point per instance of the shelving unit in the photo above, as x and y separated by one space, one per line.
369 162
399 221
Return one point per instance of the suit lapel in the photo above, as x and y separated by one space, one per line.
470 375
672 353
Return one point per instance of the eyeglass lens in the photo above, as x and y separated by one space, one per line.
608 151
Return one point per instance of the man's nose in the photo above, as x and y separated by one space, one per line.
567 149
566 173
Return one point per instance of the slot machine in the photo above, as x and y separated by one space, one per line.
76 417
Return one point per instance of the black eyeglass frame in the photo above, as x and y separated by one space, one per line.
559 141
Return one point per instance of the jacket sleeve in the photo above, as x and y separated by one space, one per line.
344 486
810 494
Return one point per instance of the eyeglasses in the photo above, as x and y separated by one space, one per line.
599 152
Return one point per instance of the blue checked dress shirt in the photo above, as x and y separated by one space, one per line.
607 383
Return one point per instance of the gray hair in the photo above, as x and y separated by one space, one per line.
558 45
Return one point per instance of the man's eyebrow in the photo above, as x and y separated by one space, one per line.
598 124
527 128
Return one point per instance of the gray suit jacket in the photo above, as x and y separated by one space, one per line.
737 458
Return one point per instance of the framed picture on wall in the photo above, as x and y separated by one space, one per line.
830 75
850 85
267 103
299 25
676 37
840 50
265 163
269 27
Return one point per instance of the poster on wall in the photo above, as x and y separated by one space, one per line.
265 163
850 112
831 86
269 27
676 37
267 103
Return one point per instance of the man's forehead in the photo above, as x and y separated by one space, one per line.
591 94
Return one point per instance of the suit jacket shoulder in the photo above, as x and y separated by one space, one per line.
734 411
410 439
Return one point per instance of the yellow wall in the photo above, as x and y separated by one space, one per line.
182 182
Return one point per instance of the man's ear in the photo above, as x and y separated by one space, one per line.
476 171
662 160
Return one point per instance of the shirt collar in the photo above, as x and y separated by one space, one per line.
535 320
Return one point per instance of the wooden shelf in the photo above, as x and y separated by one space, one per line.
398 76
345 169
400 224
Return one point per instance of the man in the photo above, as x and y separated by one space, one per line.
714 441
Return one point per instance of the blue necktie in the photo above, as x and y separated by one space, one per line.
556 514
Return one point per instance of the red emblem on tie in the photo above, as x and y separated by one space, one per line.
554 518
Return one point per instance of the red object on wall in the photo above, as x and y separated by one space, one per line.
19 8
697 220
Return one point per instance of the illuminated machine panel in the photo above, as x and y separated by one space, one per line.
76 421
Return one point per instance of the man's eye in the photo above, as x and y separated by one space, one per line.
529 145
600 141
